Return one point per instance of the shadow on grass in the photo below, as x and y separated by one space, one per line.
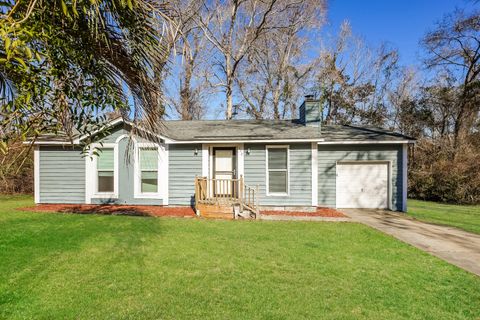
109 209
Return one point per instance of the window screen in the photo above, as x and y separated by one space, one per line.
277 170
105 170
149 170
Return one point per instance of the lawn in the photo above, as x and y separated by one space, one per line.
118 267
463 217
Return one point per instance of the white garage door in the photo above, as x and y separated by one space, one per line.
362 185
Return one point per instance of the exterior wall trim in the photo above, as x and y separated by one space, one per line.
137 194
367 142
36 173
205 160
241 159
243 141
91 169
319 141
165 173
314 163
404 177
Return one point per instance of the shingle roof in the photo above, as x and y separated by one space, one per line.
247 130
238 130
356 133
224 130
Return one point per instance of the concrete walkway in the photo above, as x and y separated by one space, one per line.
453 245
302 218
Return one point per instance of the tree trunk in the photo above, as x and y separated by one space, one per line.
185 93
228 88
276 102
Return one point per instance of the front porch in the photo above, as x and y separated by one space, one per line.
226 198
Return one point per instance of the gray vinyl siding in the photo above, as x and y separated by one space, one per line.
300 174
184 165
62 175
117 132
328 155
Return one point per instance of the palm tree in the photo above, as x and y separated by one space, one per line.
64 63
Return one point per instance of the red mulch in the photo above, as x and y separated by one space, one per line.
154 211
321 212
159 211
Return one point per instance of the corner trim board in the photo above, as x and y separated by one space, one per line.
314 148
404 177
205 159
36 173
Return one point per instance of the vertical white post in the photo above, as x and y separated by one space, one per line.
404 176
89 180
36 173
205 160
240 160
314 148
165 171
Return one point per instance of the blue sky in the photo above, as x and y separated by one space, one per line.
401 23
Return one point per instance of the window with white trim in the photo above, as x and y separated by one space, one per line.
277 170
148 161
105 171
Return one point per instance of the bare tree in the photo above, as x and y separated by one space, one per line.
455 46
278 68
234 28
188 85
401 97
353 80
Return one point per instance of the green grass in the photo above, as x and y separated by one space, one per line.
117 267
463 217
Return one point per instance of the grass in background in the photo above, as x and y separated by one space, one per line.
108 267
460 216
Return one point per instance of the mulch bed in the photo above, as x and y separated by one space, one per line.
321 212
154 211
159 211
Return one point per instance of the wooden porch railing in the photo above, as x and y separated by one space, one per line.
213 191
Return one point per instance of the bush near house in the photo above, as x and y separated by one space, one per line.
438 174
16 169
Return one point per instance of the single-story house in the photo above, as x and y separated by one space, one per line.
297 164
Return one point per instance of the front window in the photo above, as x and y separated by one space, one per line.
105 171
277 165
148 170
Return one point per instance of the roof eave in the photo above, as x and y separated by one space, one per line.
244 141
403 141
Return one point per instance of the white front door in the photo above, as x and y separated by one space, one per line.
362 185
223 169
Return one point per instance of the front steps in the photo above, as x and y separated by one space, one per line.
219 211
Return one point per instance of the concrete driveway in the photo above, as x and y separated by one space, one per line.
458 247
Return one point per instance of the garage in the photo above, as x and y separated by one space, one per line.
362 184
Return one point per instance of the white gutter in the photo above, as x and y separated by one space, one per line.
244 141
318 141
367 142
